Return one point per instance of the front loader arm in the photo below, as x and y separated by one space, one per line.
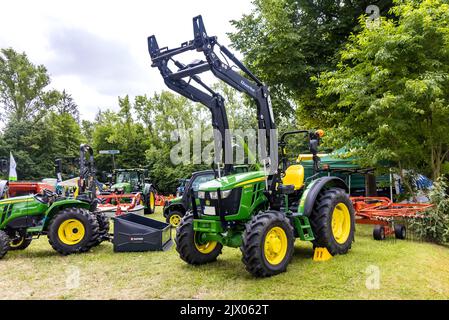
246 83
212 100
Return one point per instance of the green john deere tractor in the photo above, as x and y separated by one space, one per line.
71 225
260 212
126 181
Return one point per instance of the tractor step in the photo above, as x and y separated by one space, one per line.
37 229
303 227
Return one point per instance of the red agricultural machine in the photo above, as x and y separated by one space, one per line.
387 217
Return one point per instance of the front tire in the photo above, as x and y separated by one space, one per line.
72 230
174 218
190 249
333 221
267 244
4 243
20 243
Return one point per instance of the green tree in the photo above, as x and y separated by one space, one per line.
287 42
392 89
162 114
67 105
22 84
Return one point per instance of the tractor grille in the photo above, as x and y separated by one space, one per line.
228 206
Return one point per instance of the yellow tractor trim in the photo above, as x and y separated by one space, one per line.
250 181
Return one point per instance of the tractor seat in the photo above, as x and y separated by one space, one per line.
294 175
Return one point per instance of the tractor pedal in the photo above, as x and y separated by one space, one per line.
321 254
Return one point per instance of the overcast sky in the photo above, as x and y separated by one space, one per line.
97 50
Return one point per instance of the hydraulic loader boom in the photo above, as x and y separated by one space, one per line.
247 83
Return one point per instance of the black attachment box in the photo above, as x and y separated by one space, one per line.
137 233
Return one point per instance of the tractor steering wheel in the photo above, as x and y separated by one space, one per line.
46 196
48 193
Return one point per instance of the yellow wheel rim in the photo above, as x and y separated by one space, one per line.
275 245
175 220
152 200
14 244
205 248
71 232
341 223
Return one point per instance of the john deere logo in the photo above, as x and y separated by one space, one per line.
207 203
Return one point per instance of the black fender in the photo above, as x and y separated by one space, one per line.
177 206
317 186
3 188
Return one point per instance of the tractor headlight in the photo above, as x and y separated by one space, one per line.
201 194
213 195
225 193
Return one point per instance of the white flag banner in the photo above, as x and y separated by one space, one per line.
12 168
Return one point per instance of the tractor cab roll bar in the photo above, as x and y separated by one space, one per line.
87 179
180 81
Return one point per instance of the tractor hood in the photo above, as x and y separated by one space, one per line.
17 199
122 186
233 181
175 200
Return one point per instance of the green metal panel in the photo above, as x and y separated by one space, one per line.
233 181
17 207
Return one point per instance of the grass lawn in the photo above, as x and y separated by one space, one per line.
408 270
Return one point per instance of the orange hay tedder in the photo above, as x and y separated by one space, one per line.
386 216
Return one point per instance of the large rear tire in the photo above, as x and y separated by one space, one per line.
268 244
72 230
4 243
333 221
190 249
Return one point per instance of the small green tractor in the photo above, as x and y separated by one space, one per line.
71 225
127 181
261 212
176 208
